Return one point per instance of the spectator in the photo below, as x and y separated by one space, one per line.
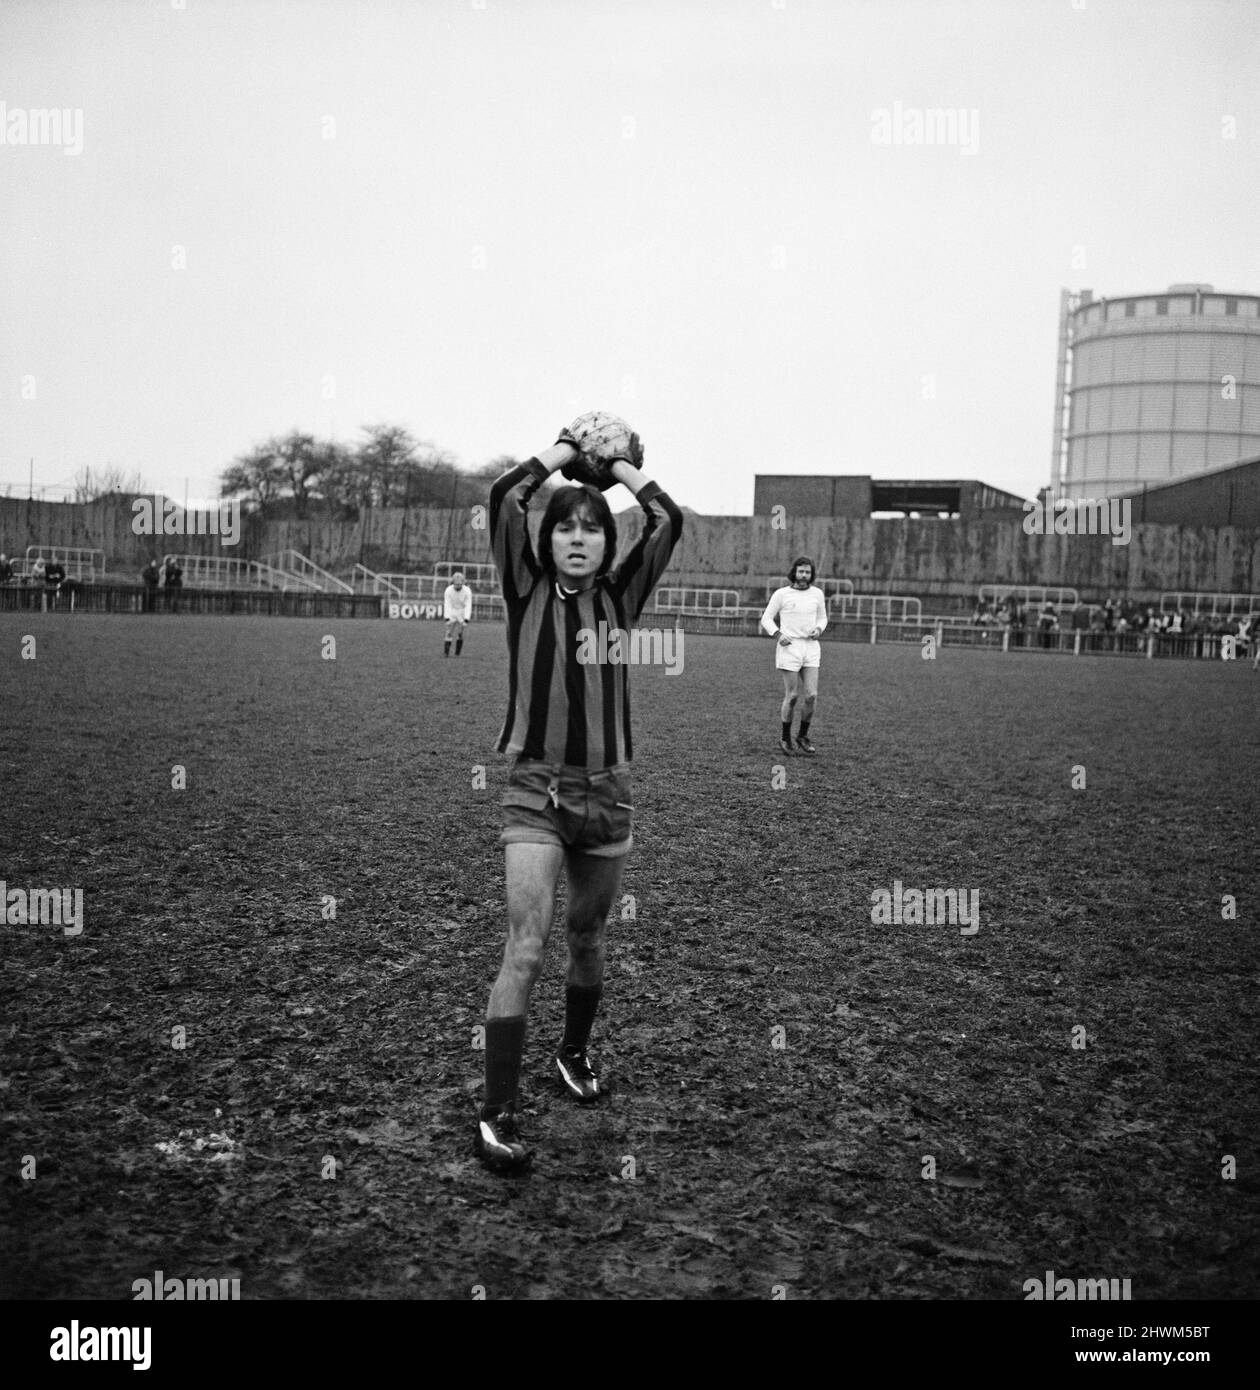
54 578
174 583
149 577
1019 622
1098 631
6 570
37 572
1047 624
1080 622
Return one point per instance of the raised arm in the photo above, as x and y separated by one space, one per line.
510 495
638 574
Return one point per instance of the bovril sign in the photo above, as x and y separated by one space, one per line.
416 609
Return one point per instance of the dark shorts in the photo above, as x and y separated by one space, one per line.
553 804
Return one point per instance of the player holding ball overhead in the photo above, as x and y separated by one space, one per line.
568 803
801 613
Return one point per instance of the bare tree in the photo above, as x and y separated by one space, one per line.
389 468
286 465
300 461
94 483
398 470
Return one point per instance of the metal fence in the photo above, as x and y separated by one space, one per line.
474 571
87 566
875 607
223 572
828 586
307 572
1207 605
697 601
134 598
1029 594
1065 642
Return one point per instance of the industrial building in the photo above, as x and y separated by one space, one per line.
1219 497
1151 388
857 495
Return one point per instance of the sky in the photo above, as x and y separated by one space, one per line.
478 219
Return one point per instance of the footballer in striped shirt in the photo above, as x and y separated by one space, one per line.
568 804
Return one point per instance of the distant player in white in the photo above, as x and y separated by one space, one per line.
800 611
457 610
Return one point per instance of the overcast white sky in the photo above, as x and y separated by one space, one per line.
673 210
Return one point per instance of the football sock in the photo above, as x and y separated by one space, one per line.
787 731
580 1004
804 729
505 1045
459 646
446 647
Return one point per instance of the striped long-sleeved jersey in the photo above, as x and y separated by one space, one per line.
559 709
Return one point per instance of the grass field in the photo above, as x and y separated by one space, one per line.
779 1067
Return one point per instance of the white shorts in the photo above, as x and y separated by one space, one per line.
801 652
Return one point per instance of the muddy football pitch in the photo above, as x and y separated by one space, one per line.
259 1058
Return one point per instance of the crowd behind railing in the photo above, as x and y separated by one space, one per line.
49 579
1117 625
1011 618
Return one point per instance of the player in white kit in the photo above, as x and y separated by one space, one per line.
795 616
457 610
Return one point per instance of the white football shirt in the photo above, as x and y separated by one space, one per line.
457 603
799 611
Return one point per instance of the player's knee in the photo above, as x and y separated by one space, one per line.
525 955
586 939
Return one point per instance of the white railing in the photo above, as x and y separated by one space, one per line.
295 563
893 607
1210 605
81 563
431 586
79 570
1029 594
697 601
418 586
829 587
366 581
474 571
220 572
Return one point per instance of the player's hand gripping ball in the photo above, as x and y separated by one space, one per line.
600 439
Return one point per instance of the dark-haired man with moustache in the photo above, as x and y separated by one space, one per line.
796 617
